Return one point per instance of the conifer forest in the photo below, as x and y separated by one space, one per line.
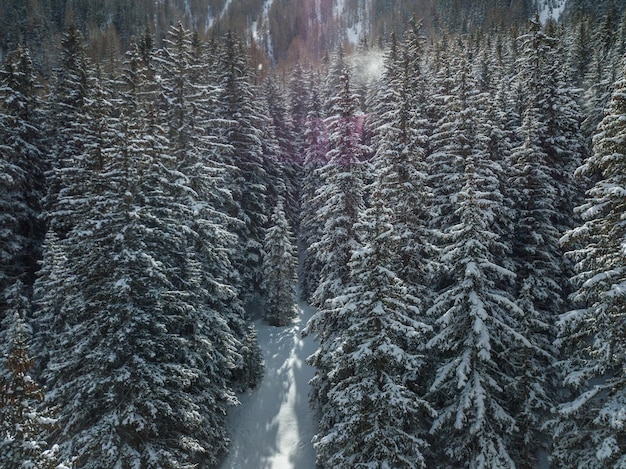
444 182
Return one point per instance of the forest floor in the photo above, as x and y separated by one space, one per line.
273 426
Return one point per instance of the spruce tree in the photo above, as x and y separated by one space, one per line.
448 141
400 159
279 270
282 162
252 359
139 363
188 103
598 89
552 100
581 50
499 123
385 97
47 305
589 428
543 192
341 194
316 149
241 137
340 199
375 416
536 255
24 416
68 93
178 94
22 166
299 96
477 323
335 66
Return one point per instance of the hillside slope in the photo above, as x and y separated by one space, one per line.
284 29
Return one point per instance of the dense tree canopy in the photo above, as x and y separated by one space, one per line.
153 205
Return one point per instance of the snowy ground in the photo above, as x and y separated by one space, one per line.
273 426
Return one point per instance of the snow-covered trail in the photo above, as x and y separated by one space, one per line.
273 426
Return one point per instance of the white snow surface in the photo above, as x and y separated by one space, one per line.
273 426
550 9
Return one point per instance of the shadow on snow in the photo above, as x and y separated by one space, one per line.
273 426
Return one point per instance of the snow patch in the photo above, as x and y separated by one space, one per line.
550 9
273 426
210 21
607 449
226 7
339 8
355 33
122 285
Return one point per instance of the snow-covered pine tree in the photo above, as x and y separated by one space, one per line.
543 75
274 154
581 50
589 430
280 270
340 199
543 193
477 320
607 44
242 137
299 96
599 86
252 359
340 195
539 295
278 141
68 92
189 99
140 363
24 417
316 149
399 161
53 308
606 34
22 166
47 306
499 123
335 66
226 290
374 417
178 93
74 178
451 86
385 96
